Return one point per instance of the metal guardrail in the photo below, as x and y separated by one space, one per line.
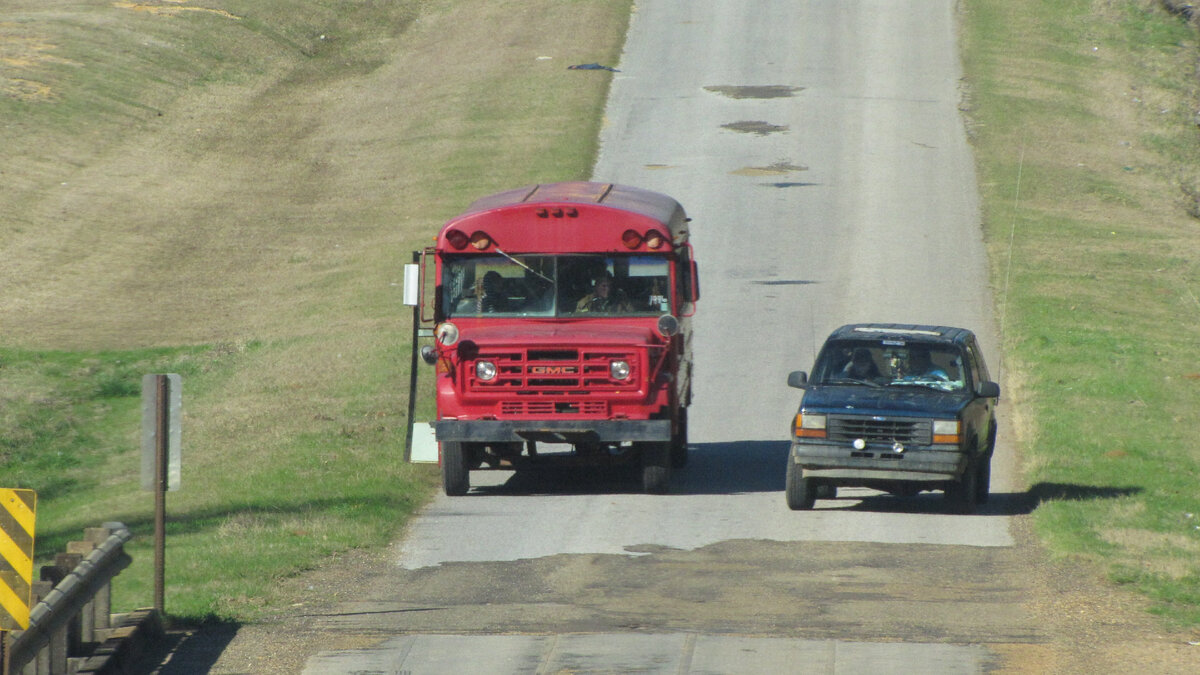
74 615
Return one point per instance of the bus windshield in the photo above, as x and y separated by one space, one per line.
556 285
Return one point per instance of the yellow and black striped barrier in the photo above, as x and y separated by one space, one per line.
16 556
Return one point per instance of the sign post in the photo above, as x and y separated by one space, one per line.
162 410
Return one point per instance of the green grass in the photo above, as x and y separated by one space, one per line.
1081 124
184 192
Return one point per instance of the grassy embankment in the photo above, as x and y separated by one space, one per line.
1084 122
228 192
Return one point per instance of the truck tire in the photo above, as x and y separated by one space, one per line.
801 492
985 468
985 480
679 442
961 495
656 468
456 478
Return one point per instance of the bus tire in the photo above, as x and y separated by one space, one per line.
679 442
656 468
456 478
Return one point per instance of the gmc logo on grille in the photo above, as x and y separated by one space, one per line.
553 370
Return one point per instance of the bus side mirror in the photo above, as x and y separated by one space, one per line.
412 284
695 285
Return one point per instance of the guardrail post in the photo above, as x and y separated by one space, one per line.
102 601
64 564
87 616
53 657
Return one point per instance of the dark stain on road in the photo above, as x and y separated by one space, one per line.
755 127
754 91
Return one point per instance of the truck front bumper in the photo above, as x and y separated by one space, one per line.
936 463
555 431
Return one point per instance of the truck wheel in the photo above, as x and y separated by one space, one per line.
985 480
656 468
801 492
456 478
679 442
961 495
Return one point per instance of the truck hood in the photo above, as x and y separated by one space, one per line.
895 401
560 334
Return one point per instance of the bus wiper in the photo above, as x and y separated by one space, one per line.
527 267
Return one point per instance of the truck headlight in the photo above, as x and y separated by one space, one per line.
946 432
810 425
619 370
485 370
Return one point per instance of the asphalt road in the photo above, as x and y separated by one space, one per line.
819 149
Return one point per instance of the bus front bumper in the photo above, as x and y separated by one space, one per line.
555 431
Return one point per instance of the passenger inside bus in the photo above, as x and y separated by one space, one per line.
547 286
603 297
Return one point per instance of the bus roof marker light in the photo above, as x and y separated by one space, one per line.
631 239
457 239
480 240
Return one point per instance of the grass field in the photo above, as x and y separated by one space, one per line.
227 190
1083 119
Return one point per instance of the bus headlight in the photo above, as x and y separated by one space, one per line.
485 370
619 370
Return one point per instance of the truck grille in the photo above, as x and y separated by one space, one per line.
878 429
556 372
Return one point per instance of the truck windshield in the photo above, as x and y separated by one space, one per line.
890 363
556 285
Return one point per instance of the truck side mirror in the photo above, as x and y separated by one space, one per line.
798 379
988 390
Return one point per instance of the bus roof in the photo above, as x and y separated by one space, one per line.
645 203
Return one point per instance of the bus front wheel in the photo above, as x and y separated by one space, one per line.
456 478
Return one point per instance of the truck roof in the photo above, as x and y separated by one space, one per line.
647 204
912 332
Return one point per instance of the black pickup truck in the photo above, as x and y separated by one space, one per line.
894 407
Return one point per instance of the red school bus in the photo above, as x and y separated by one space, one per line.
562 316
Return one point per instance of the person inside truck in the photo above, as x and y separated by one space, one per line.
921 366
861 366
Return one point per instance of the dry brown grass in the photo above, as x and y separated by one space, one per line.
252 175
